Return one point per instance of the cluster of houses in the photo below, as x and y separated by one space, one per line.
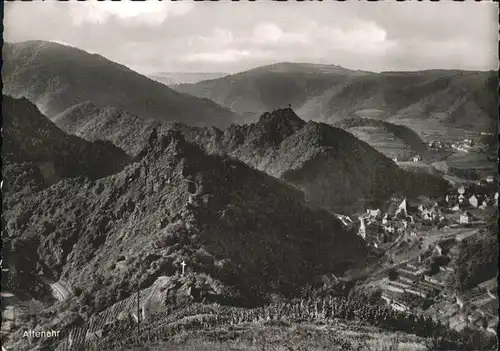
463 146
378 228
400 217
439 145
415 281
466 199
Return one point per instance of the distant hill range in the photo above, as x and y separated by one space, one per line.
174 78
327 93
336 170
56 77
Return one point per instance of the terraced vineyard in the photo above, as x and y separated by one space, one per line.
100 322
122 334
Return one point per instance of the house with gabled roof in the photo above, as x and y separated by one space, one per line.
473 201
402 208
385 219
461 198
465 218
362 228
444 246
373 213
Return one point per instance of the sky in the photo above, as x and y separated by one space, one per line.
225 36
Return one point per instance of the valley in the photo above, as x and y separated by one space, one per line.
288 206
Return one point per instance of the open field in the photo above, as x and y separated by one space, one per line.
419 167
429 130
382 141
470 160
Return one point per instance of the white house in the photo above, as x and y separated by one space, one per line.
385 219
417 158
362 228
490 179
461 190
429 214
389 229
456 208
373 213
473 201
461 198
485 203
465 218
402 207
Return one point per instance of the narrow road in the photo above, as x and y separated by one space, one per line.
59 290
9 302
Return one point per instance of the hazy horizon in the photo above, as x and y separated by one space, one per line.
231 37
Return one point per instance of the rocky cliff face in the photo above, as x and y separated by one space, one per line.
335 169
249 231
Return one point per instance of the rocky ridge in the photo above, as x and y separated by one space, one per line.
336 170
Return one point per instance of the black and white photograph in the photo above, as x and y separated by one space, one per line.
249 175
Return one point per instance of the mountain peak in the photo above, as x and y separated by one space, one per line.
279 124
281 116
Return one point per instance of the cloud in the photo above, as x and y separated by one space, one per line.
268 33
151 13
224 56
221 38
362 37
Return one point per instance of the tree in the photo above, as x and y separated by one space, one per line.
393 274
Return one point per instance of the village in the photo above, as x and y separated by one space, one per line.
419 237
465 145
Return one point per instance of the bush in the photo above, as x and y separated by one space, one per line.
78 291
393 275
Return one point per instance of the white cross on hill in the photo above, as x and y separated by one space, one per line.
183 264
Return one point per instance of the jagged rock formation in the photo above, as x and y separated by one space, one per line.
35 155
334 169
56 77
247 230
122 128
